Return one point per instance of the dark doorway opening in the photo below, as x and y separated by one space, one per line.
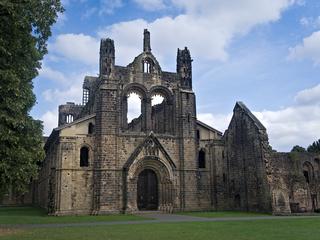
237 201
306 176
147 190
314 202
202 159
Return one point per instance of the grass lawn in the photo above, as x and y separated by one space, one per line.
224 214
282 229
29 215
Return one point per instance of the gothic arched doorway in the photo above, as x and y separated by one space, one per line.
147 190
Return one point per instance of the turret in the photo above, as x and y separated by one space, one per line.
184 68
107 56
146 41
68 113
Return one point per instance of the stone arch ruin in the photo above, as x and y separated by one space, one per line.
236 170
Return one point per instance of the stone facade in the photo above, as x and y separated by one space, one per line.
97 162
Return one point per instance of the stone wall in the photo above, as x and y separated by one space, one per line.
74 184
218 171
68 110
291 191
16 199
45 198
241 171
244 173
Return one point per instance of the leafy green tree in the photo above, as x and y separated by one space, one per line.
24 30
298 148
314 147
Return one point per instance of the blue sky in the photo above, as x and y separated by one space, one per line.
265 53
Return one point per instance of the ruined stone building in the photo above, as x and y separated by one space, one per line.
98 162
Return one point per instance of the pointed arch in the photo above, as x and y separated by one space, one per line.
140 123
308 172
84 156
202 158
137 151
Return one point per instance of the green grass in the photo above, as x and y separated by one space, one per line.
224 214
284 229
31 215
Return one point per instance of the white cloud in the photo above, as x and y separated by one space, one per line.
151 5
134 106
108 6
218 121
51 74
68 2
76 47
126 46
309 96
301 2
62 18
89 12
70 88
310 22
264 10
304 21
308 49
61 96
156 99
206 27
50 121
294 125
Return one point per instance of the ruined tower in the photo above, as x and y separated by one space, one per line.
99 160
184 67
107 56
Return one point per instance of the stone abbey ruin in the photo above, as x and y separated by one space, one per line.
97 162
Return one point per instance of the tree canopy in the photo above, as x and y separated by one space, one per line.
298 148
314 147
25 26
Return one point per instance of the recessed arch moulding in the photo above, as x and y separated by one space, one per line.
158 118
151 155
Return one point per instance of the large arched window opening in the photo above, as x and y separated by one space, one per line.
134 104
90 128
158 113
85 96
134 113
308 172
157 99
281 202
202 159
147 66
161 111
84 157
69 118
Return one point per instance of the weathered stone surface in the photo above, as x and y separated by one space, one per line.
238 169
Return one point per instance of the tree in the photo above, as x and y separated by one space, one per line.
314 147
298 148
24 30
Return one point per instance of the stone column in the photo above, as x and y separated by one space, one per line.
147 112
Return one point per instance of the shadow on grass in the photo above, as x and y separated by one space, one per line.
33 215
284 229
224 214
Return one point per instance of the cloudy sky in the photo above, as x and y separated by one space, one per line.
265 53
